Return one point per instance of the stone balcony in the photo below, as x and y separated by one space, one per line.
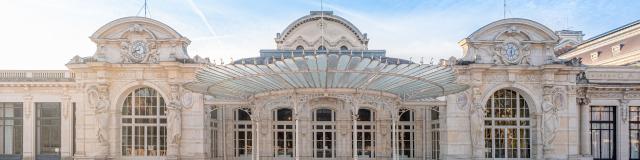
36 76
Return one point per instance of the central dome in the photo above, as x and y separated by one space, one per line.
321 30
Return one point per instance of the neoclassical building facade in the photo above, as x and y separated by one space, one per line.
519 91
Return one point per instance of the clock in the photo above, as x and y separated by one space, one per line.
138 50
511 52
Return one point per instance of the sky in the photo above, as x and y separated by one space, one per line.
45 34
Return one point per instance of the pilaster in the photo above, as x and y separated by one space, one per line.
66 127
29 129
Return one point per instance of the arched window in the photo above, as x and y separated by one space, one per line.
344 48
243 136
366 135
144 124
507 126
324 134
283 133
322 48
299 48
405 134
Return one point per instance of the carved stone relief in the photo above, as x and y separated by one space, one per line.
463 100
476 121
98 99
554 101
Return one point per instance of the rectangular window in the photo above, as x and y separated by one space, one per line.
242 139
324 141
435 133
366 138
603 132
10 130
634 132
405 137
48 130
283 140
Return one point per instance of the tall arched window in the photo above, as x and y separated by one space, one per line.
405 134
283 133
344 48
242 137
507 126
324 134
322 48
144 124
299 48
366 135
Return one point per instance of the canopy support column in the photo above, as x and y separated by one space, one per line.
257 141
354 117
296 151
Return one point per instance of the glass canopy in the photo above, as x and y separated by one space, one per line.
408 81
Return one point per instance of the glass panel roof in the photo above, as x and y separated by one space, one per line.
409 81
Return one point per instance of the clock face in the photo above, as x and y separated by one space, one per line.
139 50
511 51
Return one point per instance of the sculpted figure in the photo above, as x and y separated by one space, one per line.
175 117
153 54
550 121
124 52
476 121
99 99
175 122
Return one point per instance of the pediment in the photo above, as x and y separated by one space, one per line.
138 40
511 41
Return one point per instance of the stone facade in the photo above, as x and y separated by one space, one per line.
128 101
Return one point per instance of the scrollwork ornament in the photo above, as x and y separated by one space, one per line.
624 108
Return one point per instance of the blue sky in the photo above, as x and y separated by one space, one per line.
46 34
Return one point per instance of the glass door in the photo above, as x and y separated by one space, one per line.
48 131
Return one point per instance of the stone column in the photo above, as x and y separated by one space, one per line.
394 132
585 133
29 129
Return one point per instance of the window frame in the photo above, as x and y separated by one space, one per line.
15 123
612 131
